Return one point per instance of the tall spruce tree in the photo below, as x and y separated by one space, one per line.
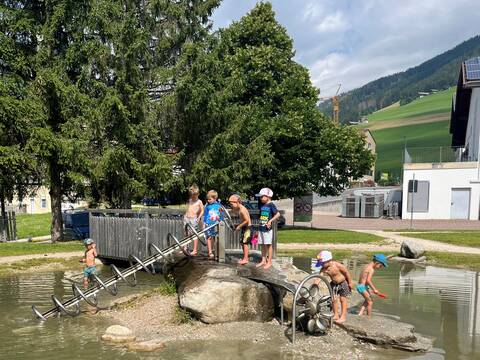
248 118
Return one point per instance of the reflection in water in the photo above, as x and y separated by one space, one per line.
458 296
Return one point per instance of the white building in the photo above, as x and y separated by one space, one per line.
444 182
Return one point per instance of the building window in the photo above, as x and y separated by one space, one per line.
418 195
44 203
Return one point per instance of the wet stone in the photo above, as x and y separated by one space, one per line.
386 332
146 346
118 334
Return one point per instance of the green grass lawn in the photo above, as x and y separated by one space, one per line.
460 238
391 142
13 249
33 225
307 236
440 102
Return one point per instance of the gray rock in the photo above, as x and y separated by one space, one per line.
411 250
214 293
118 334
386 332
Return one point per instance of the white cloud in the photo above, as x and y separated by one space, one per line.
332 23
354 42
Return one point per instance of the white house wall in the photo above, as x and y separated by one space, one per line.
473 126
442 180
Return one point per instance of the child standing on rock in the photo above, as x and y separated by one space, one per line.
193 214
244 226
341 283
365 283
268 214
212 215
89 260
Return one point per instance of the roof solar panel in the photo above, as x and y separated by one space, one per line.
472 69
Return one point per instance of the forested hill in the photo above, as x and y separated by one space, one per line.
439 73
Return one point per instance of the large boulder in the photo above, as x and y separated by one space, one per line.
386 332
411 250
214 293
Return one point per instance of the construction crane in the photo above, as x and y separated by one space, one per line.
335 105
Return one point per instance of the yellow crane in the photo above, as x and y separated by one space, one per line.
335 105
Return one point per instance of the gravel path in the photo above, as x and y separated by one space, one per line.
59 255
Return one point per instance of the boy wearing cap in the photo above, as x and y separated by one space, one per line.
268 214
365 282
89 260
341 283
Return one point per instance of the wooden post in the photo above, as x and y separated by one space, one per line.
222 235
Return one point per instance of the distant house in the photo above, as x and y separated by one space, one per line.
370 144
444 182
38 202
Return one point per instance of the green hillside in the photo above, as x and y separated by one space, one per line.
391 142
440 72
423 122
439 102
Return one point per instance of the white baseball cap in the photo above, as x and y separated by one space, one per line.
324 256
265 192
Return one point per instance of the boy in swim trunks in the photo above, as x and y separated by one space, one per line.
244 226
89 260
341 283
192 216
365 282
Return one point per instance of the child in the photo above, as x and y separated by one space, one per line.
89 260
365 283
193 214
244 226
341 283
268 214
212 215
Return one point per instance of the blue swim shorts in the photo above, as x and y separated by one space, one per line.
361 288
87 272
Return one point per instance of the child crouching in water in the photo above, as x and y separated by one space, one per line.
244 226
365 283
89 260
341 283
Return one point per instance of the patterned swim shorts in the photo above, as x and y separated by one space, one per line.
246 237
341 289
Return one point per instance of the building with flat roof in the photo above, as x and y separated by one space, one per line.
444 182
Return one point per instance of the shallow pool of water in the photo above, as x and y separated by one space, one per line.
440 302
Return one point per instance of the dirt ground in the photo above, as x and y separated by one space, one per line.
153 318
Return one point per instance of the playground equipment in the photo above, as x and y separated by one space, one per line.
71 307
312 305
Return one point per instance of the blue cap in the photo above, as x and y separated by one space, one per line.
382 259
88 241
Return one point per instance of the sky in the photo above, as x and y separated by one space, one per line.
352 42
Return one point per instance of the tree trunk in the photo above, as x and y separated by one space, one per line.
56 204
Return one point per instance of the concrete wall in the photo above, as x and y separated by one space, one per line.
442 178
473 126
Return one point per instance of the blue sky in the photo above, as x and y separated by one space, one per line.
355 41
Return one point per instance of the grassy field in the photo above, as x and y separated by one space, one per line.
391 142
33 225
440 102
308 236
460 238
13 249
